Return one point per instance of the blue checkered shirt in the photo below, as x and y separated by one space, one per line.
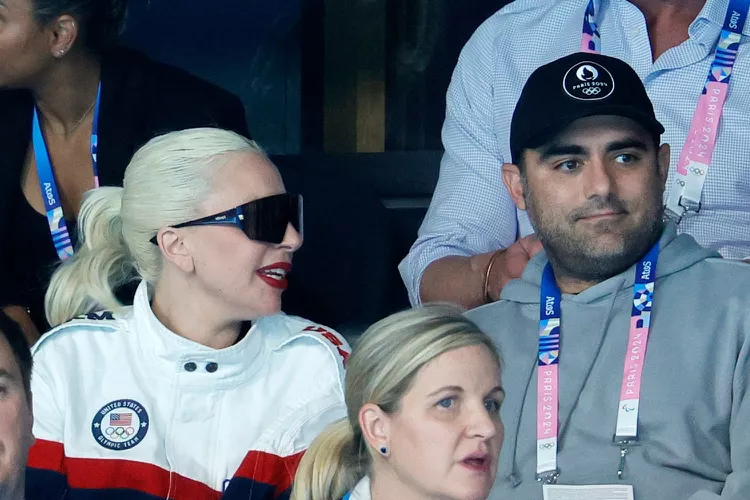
471 211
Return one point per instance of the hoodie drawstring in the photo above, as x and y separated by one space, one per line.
602 331
514 478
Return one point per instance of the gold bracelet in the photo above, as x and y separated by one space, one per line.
487 298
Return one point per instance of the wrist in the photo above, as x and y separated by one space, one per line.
488 281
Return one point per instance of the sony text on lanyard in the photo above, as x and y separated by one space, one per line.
50 195
695 157
548 357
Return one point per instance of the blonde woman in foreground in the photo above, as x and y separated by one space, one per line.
423 395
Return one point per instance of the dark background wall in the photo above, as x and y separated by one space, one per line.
249 48
273 55
424 40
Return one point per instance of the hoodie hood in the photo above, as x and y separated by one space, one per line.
676 252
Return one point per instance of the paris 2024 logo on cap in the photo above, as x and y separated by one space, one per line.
588 81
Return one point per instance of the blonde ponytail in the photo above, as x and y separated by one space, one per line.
101 264
165 183
331 466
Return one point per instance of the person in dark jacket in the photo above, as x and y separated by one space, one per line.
73 110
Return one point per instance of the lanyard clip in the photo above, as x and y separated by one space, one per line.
548 477
624 442
621 466
687 207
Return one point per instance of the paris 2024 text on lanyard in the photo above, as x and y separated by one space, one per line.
691 173
550 332
695 157
58 228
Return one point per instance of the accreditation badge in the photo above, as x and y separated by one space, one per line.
594 492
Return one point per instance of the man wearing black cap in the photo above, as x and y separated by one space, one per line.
692 56
626 346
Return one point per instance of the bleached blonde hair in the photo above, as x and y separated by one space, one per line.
165 184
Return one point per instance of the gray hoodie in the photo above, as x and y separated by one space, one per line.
694 422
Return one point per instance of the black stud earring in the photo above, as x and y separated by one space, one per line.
383 450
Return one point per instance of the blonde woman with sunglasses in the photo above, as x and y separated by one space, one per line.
203 388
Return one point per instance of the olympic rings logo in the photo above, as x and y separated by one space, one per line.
697 171
120 432
120 425
546 446
589 91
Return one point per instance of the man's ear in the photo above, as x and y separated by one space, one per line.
662 158
514 183
376 429
63 32
174 249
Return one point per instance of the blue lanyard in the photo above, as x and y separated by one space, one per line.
548 354
47 185
347 496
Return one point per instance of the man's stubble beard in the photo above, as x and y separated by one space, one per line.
576 258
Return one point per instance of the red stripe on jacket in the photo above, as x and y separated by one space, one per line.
270 469
102 473
47 455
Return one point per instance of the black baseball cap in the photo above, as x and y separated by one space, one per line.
573 87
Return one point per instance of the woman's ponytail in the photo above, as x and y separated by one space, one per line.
382 368
102 262
331 465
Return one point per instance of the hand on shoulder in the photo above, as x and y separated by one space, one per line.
510 263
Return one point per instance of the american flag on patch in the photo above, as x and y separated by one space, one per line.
121 419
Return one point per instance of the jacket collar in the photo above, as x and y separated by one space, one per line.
190 363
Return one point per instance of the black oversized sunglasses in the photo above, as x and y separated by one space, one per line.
264 219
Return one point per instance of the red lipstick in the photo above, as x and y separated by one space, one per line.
275 274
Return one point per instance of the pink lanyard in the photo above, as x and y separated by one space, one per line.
695 157
548 356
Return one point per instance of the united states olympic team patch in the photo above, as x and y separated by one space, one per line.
120 425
